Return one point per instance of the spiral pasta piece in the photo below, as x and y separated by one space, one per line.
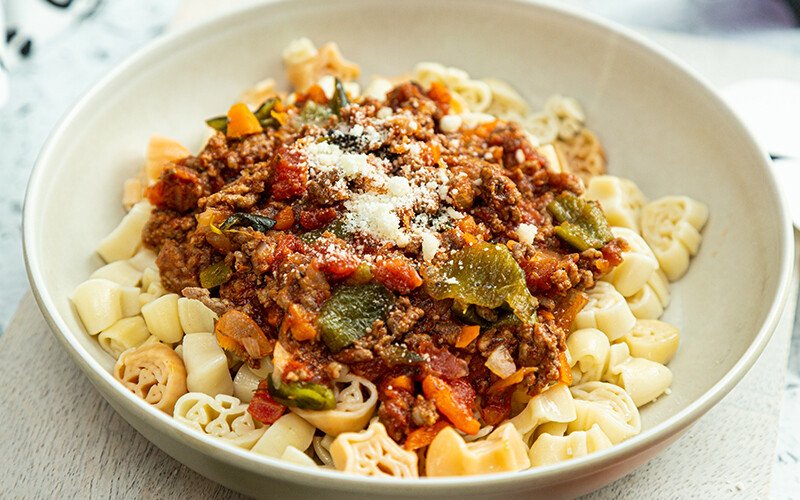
223 416
553 405
550 449
607 311
353 408
154 373
502 451
671 226
654 340
372 452
645 303
637 266
621 199
607 406
588 349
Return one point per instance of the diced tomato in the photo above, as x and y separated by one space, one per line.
178 189
285 219
441 96
442 362
395 408
496 407
423 436
290 176
397 274
263 408
317 218
287 245
568 307
454 399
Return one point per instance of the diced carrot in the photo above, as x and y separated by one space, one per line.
242 121
401 382
437 153
468 334
423 436
239 333
284 219
513 379
564 371
453 404
470 239
300 323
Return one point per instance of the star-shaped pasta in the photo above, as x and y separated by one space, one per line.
372 452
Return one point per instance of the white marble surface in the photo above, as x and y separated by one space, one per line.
44 87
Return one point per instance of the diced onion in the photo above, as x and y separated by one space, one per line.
501 363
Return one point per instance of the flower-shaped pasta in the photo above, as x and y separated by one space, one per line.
502 451
671 226
621 199
154 373
550 449
355 404
607 311
608 406
372 452
637 266
582 154
222 416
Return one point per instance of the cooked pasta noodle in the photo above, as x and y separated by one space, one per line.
289 430
356 398
223 416
123 335
206 365
502 451
550 449
372 452
125 239
154 373
99 304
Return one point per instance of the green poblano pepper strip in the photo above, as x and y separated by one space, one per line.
583 224
394 355
303 395
264 113
215 274
218 123
339 99
350 312
485 275
241 219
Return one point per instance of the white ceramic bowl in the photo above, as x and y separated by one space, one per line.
661 126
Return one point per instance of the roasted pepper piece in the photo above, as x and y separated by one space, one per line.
303 395
485 275
239 334
583 224
218 123
242 219
394 355
242 122
350 312
339 99
454 400
215 274
264 113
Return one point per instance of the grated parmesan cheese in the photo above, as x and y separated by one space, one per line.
526 233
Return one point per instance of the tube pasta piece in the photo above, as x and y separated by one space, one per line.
607 311
550 449
637 266
621 199
588 348
206 365
119 272
289 430
195 317
162 151
123 335
356 398
129 301
99 304
660 285
154 373
144 259
223 416
644 304
607 406
162 318
149 276
643 379
297 457
372 452
671 226
123 241
553 405
552 428
654 340
322 448
247 379
502 451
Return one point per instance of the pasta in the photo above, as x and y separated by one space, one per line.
671 226
123 335
206 365
99 304
550 449
588 349
637 267
123 241
621 199
154 373
502 451
163 321
223 416
289 430
398 282
654 340
372 453
353 409
606 311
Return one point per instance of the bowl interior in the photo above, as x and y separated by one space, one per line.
658 125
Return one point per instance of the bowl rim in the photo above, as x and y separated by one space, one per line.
266 466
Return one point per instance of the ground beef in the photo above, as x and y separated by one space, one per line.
180 265
403 317
166 225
